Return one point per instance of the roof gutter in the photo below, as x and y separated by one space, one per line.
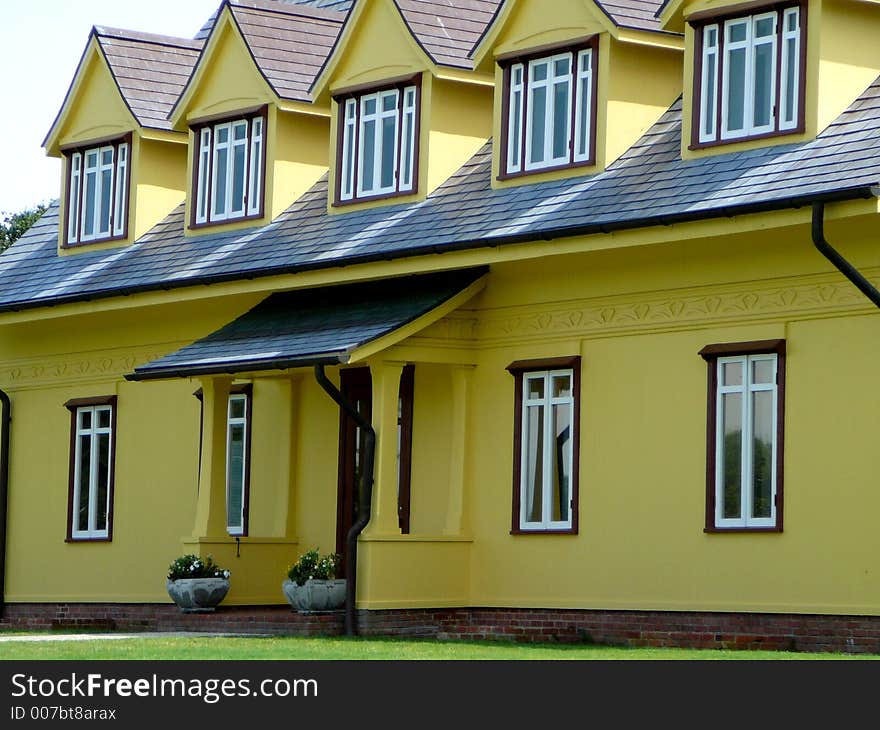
233 368
843 266
861 192
5 422
365 498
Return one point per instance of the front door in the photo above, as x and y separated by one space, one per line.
357 389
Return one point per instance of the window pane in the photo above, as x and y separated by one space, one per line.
89 204
562 386
85 419
736 89
535 388
240 131
107 157
731 373
763 84
369 155
561 472
220 173
370 106
237 407
389 130
737 31
731 455
103 479
235 488
584 126
562 67
762 453
539 71
561 115
538 111
238 157
389 102
223 135
764 28
790 80
106 197
104 418
762 372
709 96
85 471
534 497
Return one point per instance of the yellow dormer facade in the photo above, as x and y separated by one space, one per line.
251 153
119 179
804 64
536 55
382 85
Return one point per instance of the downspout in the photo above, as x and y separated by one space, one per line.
5 422
366 499
842 265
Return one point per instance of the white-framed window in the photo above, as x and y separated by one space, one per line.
749 83
238 462
230 163
550 110
92 468
379 143
746 423
97 192
545 468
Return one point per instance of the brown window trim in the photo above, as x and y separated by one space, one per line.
73 406
710 354
68 151
506 62
518 369
699 21
196 128
340 97
404 492
246 389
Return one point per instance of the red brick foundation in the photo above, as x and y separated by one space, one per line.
813 633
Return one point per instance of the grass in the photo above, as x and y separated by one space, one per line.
205 648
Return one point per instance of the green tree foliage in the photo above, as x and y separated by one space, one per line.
15 225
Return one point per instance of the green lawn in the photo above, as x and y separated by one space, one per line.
294 648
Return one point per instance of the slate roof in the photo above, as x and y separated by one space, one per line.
636 14
150 70
313 326
649 185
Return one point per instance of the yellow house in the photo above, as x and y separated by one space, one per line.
534 311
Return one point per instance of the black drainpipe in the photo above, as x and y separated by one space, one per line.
844 266
366 499
4 490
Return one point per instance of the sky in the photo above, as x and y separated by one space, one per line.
40 47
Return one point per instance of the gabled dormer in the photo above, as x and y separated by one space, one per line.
408 108
768 73
124 168
577 83
256 142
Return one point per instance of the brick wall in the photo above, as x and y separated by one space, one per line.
849 634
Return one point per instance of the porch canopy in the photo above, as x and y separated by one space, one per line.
329 325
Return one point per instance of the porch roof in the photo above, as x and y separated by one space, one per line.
317 326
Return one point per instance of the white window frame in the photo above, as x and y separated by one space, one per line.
548 401
353 121
93 431
80 169
746 389
780 79
244 398
520 106
206 156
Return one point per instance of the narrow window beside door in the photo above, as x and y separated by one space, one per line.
238 436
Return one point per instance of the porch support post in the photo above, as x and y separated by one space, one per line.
211 507
386 395
456 513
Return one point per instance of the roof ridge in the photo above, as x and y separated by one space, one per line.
156 39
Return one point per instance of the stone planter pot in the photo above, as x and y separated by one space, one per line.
315 595
197 595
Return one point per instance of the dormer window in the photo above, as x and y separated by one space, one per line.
97 192
549 116
229 169
749 76
378 143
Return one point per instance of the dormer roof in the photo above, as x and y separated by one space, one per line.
288 43
150 70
